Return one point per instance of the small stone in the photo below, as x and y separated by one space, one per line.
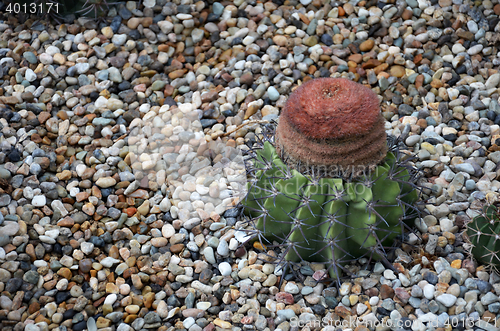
366 45
225 269
9 228
105 182
493 81
38 201
398 71
291 288
31 277
30 75
447 300
223 324
272 93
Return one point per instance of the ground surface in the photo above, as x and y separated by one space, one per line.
93 238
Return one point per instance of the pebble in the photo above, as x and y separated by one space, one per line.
225 269
447 300
39 201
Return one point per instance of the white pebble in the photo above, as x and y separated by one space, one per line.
30 75
87 247
39 201
291 288
225 269
447 300
429 291
110 299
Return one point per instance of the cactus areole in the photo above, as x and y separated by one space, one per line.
327 186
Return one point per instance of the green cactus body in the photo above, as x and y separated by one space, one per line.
328 220
484 234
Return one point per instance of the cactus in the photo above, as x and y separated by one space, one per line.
484 234
328 185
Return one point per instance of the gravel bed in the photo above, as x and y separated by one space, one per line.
121 163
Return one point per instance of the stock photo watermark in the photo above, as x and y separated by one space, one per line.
454 322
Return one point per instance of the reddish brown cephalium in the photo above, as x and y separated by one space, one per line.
332 122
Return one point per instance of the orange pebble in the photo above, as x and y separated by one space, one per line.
131 211
257 245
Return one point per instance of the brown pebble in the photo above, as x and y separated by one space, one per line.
226 77
129 272
102 322
41 318
66 222
467 35
112 288
147 21
65 272
81 196
62 115
177 248
469 265
357 58
30 250
489 316
133 22
240 251
367 45
148 299
113 252
226 55
130 318
285 298
386 292
304 18
65 175
398 71
209 96
370 63
88 208
193 312
436 83
43 116
163 48
169 90
177 73
407 14
34 307
74 28
209 327
422 123
137 282
85 265
402 294
11 100
342 312
280 40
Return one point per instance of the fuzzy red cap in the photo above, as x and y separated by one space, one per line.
332 122
328 108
